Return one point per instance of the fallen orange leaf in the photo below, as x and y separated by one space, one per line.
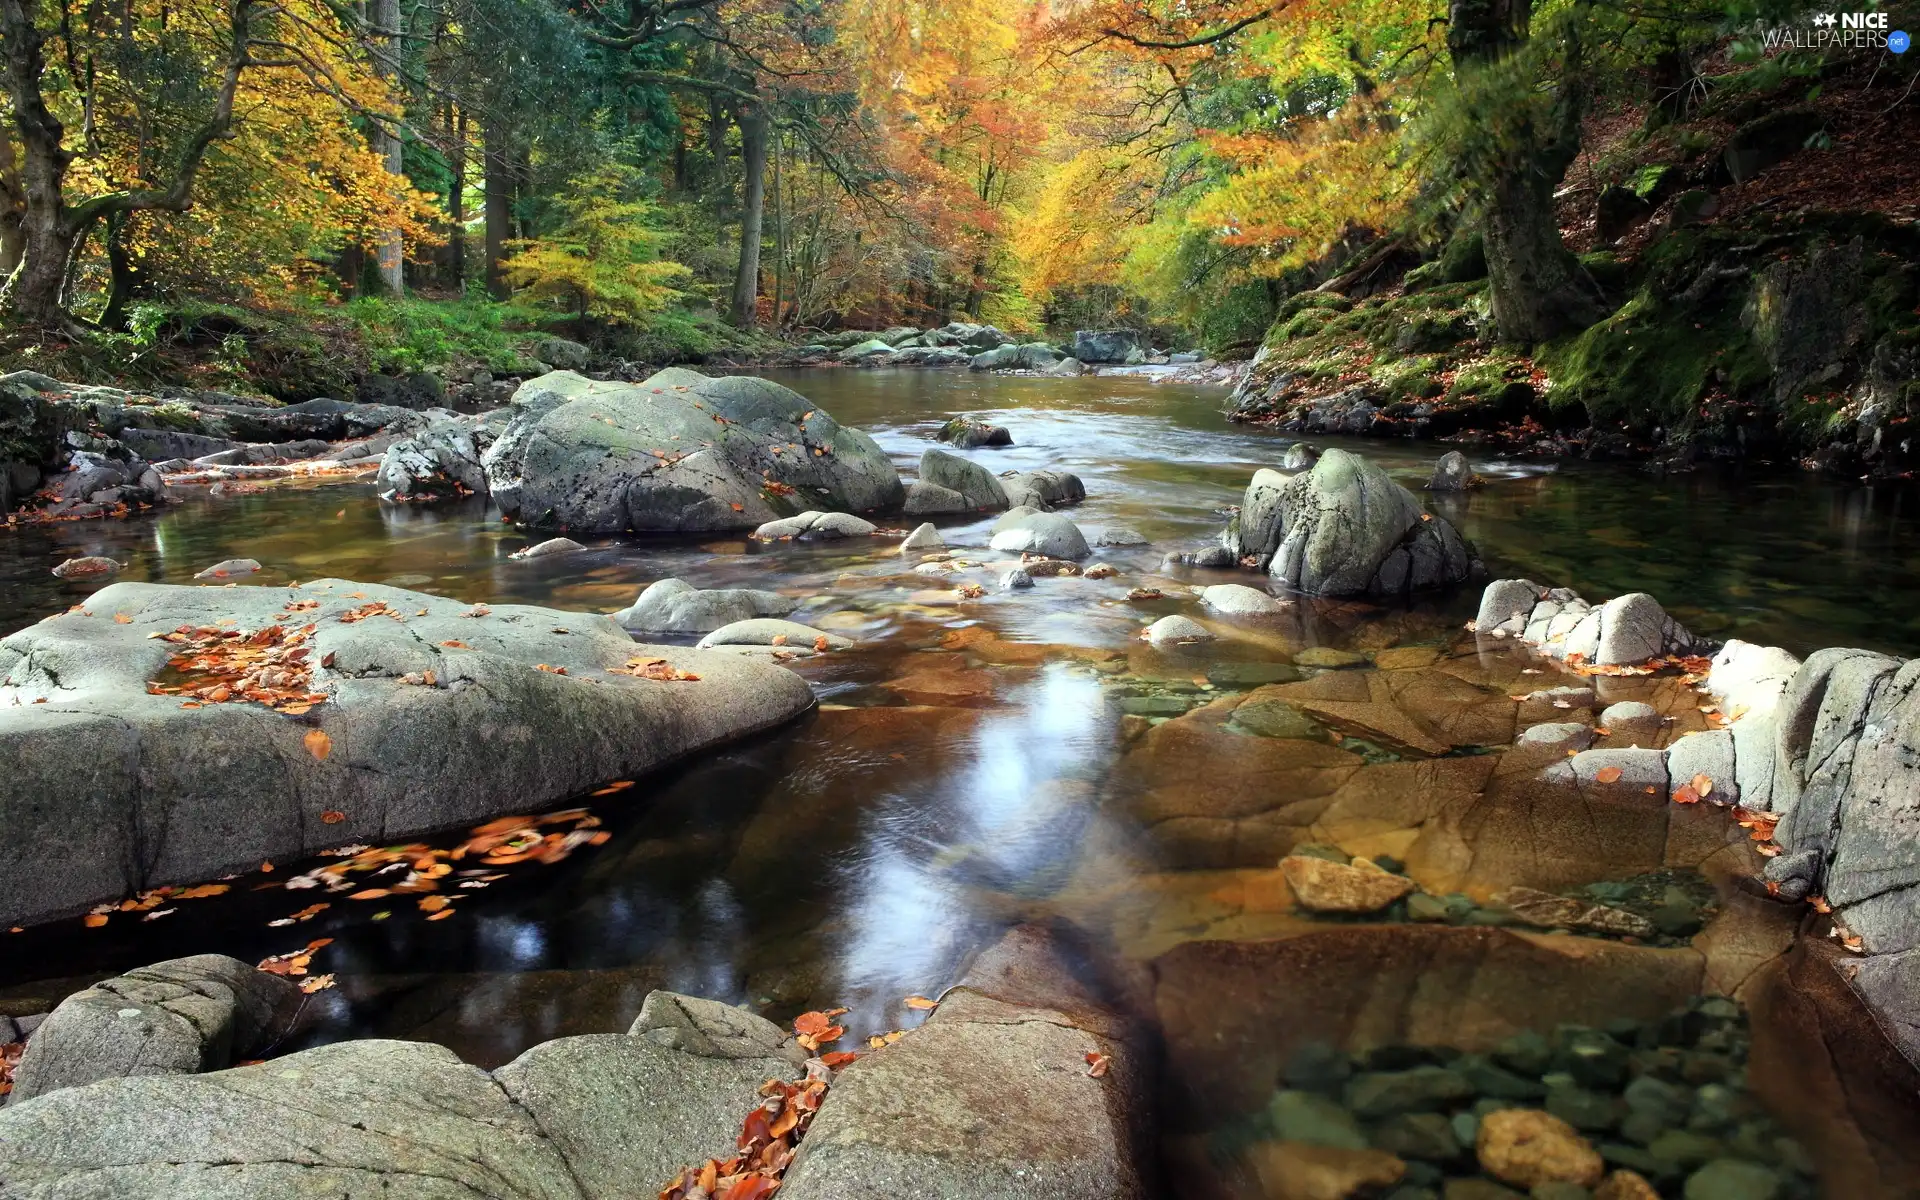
1703 785
318 743
1097 1064
333 816
1607 775
122 619
921 1003
94 920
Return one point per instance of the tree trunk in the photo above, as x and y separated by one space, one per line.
779 234
753 156
124 277
388 250
36 289
1538 288
456 273
497 166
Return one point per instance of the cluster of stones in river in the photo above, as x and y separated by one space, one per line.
1632 1111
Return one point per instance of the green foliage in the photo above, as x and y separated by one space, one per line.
602 258
403 336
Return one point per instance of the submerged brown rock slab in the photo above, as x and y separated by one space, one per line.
1232 1013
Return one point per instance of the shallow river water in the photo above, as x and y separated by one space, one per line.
1024 757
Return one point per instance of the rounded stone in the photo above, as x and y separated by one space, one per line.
1524 1147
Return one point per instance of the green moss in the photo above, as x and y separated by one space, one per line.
1413 378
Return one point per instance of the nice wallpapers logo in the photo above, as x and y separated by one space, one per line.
1844 31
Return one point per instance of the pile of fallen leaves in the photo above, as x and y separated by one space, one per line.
773 1128
642 667
271 666
9 1059
294 964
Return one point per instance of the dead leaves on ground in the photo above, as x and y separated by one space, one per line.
9 1059
212 665
773 1128
657 669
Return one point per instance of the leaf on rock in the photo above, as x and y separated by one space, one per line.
333 816
921 1003
318 743
1607 775
1098 1064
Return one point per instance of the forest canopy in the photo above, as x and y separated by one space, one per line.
806 163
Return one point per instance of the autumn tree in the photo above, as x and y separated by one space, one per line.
602 259
178 81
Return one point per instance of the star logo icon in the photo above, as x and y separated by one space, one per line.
1824 19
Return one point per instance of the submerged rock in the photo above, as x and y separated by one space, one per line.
1452 473
229 568
407 712
84 568
1323 886
1237 599
1176 630
1527 1147
676 606
678 452
1043 490
1626 630
549 548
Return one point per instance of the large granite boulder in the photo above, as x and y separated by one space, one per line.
678 452
597 1117
1106 345
977 487
1347 529
676 606
407 713
173 1018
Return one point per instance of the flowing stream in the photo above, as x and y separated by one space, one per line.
1024 758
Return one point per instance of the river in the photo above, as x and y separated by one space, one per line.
1013 759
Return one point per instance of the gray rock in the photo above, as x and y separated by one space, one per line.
929 356
1176 630
1025 531
925 537
173 1018
1257 529
549 548
967 433
817 526
761 631
1633 629
991 1099
1451 474
1350 530
113 790
1299 457
1505 603
678 452
355 1119
561 354
231 568
1239 600
1067 368
1043 490
1016 579
871 350
977 486
967 335
925 499
676 606
624 1108
1116 535
1107 345
442 462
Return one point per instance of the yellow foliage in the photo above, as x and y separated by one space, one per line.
1075 232
603 259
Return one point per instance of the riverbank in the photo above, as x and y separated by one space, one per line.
1177 764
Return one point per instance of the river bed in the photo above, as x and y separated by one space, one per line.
1024 758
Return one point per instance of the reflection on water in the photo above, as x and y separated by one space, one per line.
1024 757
